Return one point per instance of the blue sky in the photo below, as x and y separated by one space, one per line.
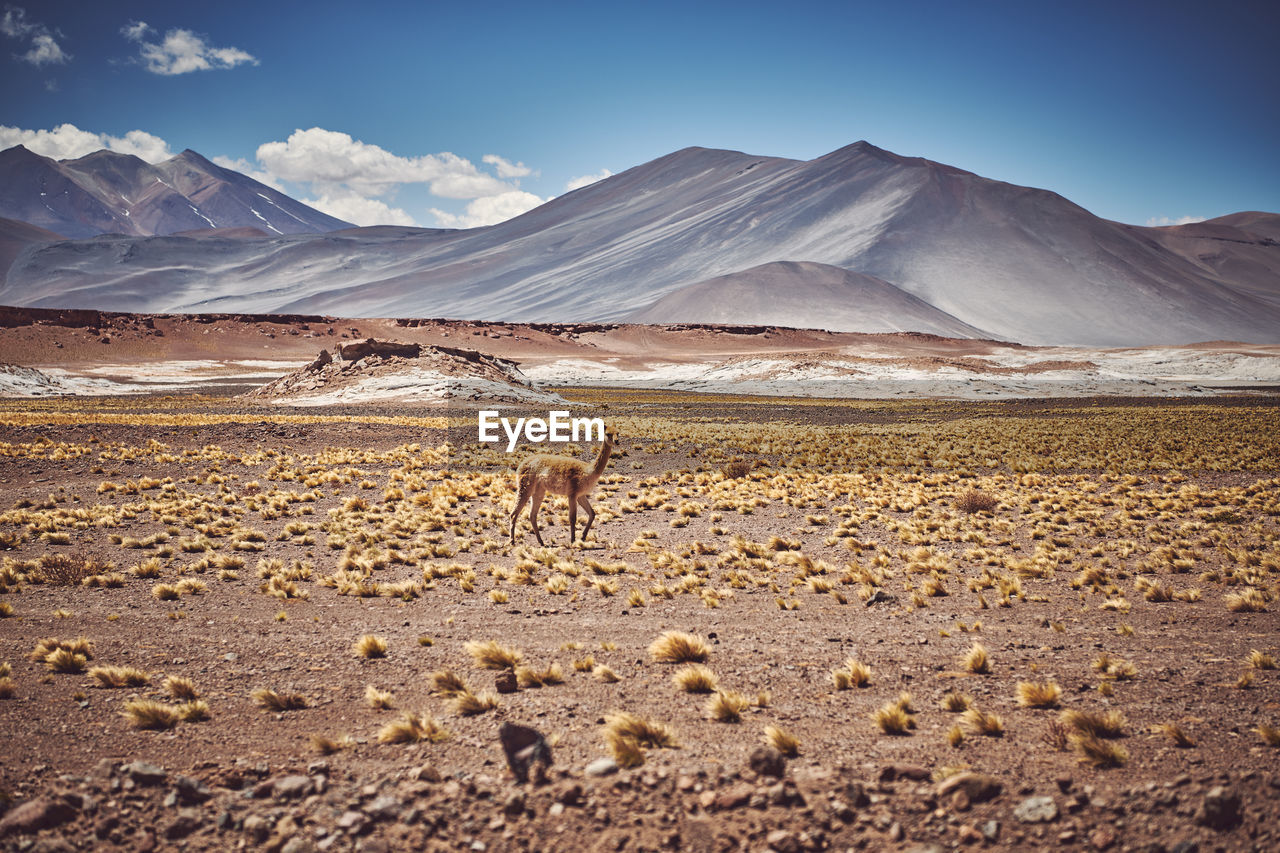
445 114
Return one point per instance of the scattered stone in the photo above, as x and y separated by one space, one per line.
257 827
191 790
896 832
144 773
978 787
35 815
893 772
1036 810
425 773
783 841
767 761
187 822
1220 809
505 682
601 767
291 787
514 804
352 822
991 830
525 749
385 807
733 798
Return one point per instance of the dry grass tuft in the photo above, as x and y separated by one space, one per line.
726 706
370 646
490 654
469 704
1097 751
956 702
180 688
645 733
328 746
380 700
1261 660
195 711
1104 725
783 741
893 719
974 501
447 683
150 714
977 660
1246 601
980 723
65 661
1043 694
679 647
119 676
1175 733
696 679
270 700
413 728
1269 734
605 674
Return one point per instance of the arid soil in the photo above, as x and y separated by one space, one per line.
1124 553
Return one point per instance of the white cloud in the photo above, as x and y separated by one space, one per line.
181 51
44 49
356 180
66 142
244 167
1160 221
586 180
329 158
358 210
489 210
507 169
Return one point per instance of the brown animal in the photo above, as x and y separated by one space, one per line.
560 475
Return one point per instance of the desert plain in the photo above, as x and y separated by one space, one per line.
975 604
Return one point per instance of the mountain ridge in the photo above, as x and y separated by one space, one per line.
107 192
1019 263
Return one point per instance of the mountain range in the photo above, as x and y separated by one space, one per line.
858 240
109 193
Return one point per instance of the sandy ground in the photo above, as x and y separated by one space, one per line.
769 565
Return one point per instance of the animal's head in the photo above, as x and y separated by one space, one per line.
611 435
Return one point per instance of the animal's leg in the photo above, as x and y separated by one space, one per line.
521 500
573 519
533 514
591 515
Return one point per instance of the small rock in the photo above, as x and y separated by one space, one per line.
505 682
1102 838
297 844
385 807
425 773
991 830
896 832
514 804
291 787
767 761
734 798
893 772
978 787
352 822
191 790
1036 810
783 841
525 748
969 834
1220 809
601 767
556 809
257 827
35 815
187 822
144 773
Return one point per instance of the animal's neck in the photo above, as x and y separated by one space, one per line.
603 460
